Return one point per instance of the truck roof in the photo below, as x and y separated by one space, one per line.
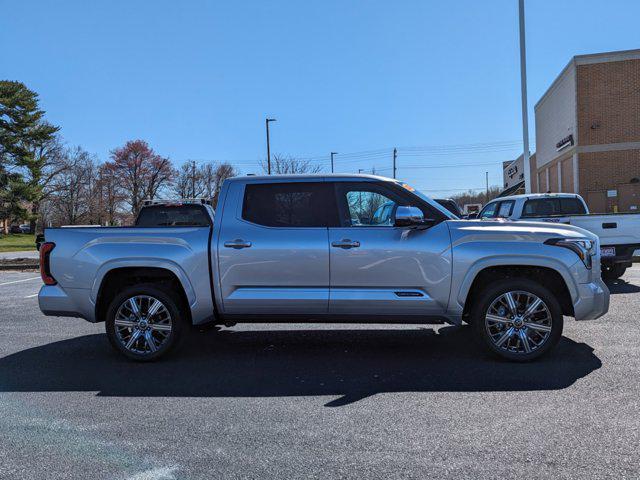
537 195
309 176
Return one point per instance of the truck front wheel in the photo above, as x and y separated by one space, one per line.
143 322
517 319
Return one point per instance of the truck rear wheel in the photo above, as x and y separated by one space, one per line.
517 319
613 272
143 322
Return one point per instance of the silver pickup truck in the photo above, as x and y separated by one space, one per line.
319 248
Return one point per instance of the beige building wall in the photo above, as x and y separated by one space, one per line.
602 162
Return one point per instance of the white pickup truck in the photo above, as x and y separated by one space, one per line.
619 233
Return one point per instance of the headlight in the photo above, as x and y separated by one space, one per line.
583 247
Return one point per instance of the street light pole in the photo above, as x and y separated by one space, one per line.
266 122
332 154
523 88
486 177
395 155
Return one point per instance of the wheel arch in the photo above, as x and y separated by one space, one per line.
547 276
113 280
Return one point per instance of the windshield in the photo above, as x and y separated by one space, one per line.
427 199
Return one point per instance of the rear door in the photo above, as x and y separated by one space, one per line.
273 248
379 269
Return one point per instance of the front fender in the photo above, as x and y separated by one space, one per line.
463 281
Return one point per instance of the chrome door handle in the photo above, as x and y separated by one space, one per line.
346 243
237 244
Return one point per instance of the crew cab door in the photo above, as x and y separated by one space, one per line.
273 248
380 269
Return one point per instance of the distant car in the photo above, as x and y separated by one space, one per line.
619 233
450 205
15 229
25 228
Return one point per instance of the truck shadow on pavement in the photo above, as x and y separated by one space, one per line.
621 286
351 364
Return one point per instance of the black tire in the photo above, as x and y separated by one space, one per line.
482 326
613 272
169 342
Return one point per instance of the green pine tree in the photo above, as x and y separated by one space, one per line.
26 141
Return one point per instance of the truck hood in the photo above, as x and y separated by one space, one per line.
519 231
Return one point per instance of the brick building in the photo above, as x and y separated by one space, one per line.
588 132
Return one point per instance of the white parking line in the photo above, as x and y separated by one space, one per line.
18 281
31 296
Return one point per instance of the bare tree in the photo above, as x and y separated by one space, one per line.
474 196
143 173
111 194
213 176
281 165
189 181
70 196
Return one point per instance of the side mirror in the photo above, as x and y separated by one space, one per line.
410 217
472 216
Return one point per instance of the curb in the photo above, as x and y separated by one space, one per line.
19 266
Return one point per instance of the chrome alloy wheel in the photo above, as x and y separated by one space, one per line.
518 322
142 324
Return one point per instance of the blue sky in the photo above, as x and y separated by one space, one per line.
196 78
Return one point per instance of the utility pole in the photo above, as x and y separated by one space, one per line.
193 179
523 87
486 177
266 122
395 155
332 154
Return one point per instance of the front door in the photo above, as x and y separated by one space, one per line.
273 250
380 269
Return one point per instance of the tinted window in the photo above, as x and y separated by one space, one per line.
173 216
545 207
571 206
450 205
289 204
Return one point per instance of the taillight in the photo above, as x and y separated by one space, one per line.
45 272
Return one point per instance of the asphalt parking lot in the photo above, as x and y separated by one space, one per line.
316 401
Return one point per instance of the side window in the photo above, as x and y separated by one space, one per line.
372 204
489 211
304 204
369 208
505 210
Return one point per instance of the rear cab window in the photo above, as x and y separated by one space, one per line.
547 207
190 215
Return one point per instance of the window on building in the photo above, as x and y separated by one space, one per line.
301 204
